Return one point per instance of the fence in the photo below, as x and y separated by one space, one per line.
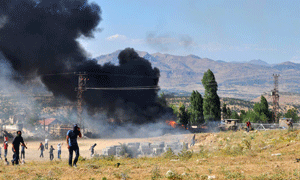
267 126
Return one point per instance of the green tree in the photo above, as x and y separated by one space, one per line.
196 109
262 108
292 113
162 100
175 109
265 106
224 111
211 101
243 115
183 116
228 113
251 116
234 115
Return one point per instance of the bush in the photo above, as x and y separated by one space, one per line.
169 154
247 143
173 175
155 173
125 152
185 154
80 159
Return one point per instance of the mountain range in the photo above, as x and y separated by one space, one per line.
244 80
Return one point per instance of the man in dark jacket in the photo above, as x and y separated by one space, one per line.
51 153
72 144
16 147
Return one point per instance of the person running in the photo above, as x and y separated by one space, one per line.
23 152
5 146
42 149
72 144
51 152
16 147
92 149
59 150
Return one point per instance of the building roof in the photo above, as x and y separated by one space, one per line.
47 121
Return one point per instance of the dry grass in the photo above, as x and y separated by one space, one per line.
225 155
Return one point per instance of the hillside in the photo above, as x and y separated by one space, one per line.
246 80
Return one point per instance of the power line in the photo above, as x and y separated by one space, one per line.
99 74
125 88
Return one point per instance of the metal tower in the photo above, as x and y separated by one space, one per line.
80 89
275 97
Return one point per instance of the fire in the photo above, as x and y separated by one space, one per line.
172 123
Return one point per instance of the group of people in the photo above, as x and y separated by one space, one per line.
42 149
72 146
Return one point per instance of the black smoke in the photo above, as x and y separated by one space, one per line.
39 38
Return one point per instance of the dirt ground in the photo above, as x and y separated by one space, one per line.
257 155
32 153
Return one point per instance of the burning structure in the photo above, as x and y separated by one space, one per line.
38 39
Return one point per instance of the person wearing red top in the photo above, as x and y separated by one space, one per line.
5 146
248 123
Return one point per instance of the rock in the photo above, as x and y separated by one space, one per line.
211 177
266 147
174 160
170 174
277 154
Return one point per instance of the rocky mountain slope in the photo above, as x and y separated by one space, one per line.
245 80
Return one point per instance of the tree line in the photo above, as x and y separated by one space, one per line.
208 108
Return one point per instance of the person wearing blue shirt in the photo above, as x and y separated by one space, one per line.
72 144
23 152
42 149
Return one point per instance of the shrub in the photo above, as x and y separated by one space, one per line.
173 175
247 143
80 159
169 154
155 173
185 154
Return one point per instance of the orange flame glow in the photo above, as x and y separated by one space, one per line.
172 123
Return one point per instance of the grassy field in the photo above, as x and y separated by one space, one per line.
226 155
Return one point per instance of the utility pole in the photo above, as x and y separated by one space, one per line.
80 89
275 97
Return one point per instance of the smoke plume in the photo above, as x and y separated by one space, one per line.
38 38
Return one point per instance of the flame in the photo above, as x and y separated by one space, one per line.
171 123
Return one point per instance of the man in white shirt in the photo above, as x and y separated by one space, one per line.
59 150
46 143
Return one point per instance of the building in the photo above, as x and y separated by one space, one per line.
48 123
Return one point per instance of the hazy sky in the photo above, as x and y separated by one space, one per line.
229 30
